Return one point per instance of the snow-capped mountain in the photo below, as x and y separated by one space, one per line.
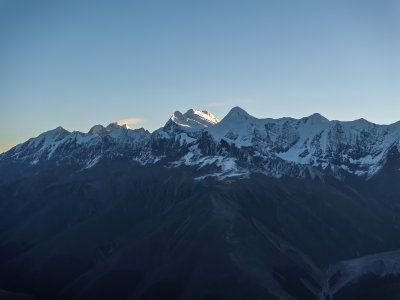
237 145
312 212
194 119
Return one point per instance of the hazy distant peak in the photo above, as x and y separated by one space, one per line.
100 130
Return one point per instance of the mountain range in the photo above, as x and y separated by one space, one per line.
236 146
238 208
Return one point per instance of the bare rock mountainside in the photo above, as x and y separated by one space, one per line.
242 208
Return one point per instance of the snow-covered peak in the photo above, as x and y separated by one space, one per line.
97 130
37 144
237 114
202 116
194 119
178 118
101 131
115 125
54 135
238 127
316 119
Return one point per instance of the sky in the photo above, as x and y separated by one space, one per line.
77 63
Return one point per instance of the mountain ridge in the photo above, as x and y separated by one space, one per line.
237 145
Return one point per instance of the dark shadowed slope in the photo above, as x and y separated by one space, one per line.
123 231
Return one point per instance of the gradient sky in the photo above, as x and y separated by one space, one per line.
80 63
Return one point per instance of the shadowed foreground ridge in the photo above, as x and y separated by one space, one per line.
241 208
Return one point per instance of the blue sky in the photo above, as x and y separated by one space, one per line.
80 63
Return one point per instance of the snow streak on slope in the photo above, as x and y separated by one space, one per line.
350 271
